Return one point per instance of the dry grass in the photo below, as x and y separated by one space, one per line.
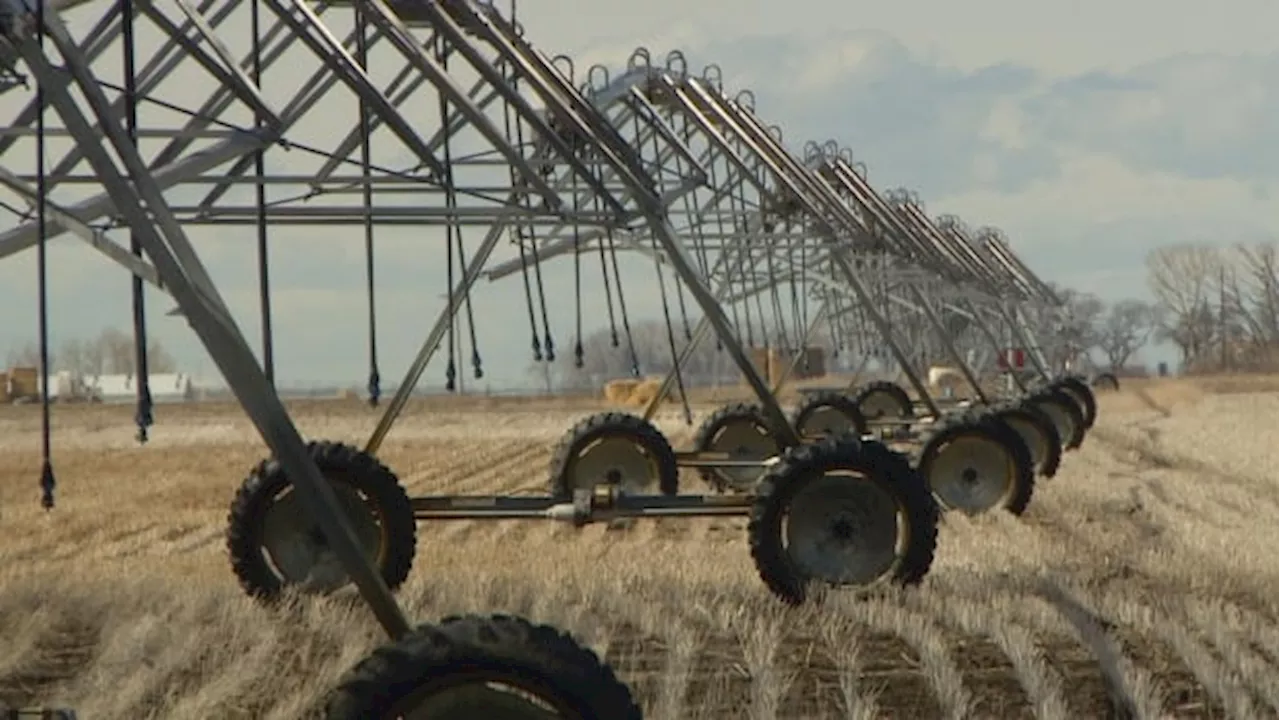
1142 580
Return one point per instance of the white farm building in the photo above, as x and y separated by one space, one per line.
165 387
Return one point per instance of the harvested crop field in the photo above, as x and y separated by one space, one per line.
1142 581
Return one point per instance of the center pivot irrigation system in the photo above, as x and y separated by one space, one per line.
765 247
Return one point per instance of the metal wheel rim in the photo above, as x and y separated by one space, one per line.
480 694
879 404
743 439
1030 434
845 528
825 419
615 460
972 473
293 544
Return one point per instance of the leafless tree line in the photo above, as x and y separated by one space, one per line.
1088 327
110 353
1220 305
1087 331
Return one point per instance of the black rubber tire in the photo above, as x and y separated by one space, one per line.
900 396
1105 381
803 464
1068 405
985 421
338 463
713 424
546 662
1034 416
1080 391
838 401
613 424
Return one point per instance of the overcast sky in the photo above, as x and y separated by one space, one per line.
1089 131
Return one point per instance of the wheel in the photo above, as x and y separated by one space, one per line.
1039 434
273 542
1065 412
975 463
883 399
828 413
841 512
496 668
1105 381
617 449
741 431
1079 390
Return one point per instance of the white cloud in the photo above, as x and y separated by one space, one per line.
1098 188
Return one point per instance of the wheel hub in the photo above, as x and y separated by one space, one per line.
299 550
972 473
878 405
844 529
743 441
617 461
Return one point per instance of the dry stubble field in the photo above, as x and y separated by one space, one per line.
1141 582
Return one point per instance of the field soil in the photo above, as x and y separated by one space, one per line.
1141 582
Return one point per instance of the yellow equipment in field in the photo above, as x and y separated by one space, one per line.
23 385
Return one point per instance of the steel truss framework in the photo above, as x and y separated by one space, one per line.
652 159
870 262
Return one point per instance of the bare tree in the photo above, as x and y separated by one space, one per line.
1182 279
28 356
74 355
110 353
1124 329
159 359
1066 334
1252 296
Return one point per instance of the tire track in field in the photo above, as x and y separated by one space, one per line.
488 481
200 539
190 536
63 652
1154 508
1147 455
134 543
1239 638
1003 666
448 475
159 542
106 540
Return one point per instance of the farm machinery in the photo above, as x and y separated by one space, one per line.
461 666
816 223
655 162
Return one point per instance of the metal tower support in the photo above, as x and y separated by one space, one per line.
139 199
599 166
